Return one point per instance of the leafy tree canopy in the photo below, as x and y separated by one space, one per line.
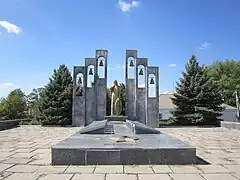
227 76
14 106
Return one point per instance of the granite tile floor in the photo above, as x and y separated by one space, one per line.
25 154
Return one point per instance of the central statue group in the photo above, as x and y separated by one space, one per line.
116 103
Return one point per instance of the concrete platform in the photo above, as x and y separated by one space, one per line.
106 149
230 125
24 154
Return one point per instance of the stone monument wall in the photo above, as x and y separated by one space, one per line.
130 97
139 106
91 104
78 118
91 99
101 85
153 102
141 92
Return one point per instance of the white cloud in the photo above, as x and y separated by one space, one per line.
5 88
172 65
10 28
204 46
126 7
7 85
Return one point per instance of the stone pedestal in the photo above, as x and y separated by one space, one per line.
92 146
115 118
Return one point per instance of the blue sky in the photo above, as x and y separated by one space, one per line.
37 36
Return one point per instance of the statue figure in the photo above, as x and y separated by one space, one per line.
79 88
116 103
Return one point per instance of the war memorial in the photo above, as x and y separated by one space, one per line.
118 139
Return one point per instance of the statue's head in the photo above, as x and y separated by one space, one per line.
115 83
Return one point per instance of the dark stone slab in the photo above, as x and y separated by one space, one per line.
103 157
140 128
141 156
70 156
119 126
116 118
103 149
96 127
8 124
182 156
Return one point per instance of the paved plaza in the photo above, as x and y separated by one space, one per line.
25 153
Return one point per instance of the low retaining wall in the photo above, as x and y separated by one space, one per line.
8 124
231 125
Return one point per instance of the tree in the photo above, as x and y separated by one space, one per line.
197 98
55 104
227 75
2 101
33 102
14 106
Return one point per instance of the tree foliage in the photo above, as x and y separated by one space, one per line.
33 103
14 106
55 104
197 99
227 76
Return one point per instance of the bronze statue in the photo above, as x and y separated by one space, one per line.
116 103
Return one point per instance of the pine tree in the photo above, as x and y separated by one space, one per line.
197 98
55 102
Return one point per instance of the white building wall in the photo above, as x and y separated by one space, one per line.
228 114
166 114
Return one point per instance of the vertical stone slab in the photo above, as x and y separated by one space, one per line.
153 102
78 109
91 108
101 87
130 97
141 93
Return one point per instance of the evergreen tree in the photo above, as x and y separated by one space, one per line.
197 98
55 104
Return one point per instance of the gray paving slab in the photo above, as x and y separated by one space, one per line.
219 177
121 176
56 177
89 177
186 177
154 177
81 169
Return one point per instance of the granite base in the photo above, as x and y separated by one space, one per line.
102 149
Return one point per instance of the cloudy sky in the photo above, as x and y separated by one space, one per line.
37 36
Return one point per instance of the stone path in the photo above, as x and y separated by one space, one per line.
25 155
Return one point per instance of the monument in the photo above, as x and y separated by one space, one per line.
90 100
118 139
